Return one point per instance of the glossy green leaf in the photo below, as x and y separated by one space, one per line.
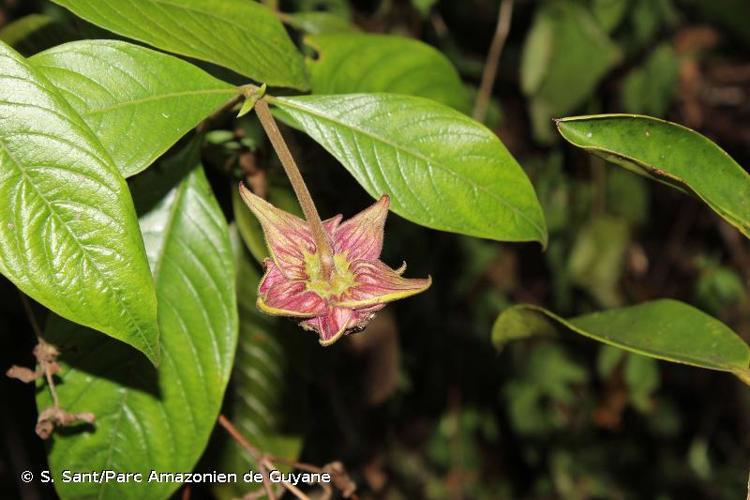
243 36
352 63
669 153
318 23
442 169
69 234
663 329
148 419
256 391
139 102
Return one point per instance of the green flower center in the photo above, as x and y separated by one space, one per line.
340 281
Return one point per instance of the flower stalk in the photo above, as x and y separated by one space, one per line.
298 184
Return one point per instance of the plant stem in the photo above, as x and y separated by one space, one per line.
252 450
298 184
40 341
493 59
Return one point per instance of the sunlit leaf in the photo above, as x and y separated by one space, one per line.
442 169
240 35
669 153
69 234
139 102
148 419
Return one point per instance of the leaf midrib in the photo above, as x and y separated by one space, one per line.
81 247
417 155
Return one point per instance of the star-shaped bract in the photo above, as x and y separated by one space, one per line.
357 285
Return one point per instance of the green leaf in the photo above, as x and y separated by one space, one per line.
596 259
650 88
240 35
254 400
669 153
352 63
139 102
442 169
663 329
69 234
609 13
565 56
149 419
30 31
318 23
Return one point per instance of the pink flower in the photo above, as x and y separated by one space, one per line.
358 283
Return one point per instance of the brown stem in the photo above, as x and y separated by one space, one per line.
252 450
298 184
493 59
38 332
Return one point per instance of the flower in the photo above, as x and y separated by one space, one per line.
342 298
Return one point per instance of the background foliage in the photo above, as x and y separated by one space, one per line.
422 405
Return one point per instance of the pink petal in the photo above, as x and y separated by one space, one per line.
330 225
362 235
280 296
332 325
378 284
287 236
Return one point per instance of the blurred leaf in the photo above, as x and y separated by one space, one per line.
718 287
148 419
319 23
609 13
698 458
627 197
243 36
20 29
352 63
139 102
442 169
424 6
596 258
641 375
648 17
537 53
545 382
565 56
663 329
669 153
608 359
650 89
70 236
256 389
33 33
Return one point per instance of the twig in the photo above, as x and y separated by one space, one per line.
44 352
298 184
252 450
493 59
